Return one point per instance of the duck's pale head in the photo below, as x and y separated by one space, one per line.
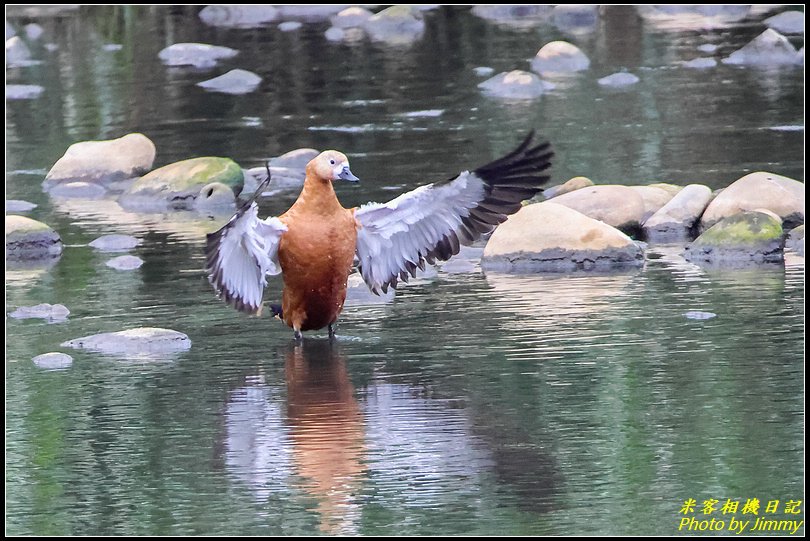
331 165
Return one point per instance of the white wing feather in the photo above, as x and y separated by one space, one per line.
241 255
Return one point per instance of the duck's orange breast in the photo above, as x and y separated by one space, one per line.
316 255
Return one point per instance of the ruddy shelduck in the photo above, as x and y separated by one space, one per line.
315 243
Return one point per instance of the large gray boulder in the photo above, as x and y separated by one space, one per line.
514 85
769 49
187 185
677 218
618 206
30 239
787 22
288 171
397 25
746 237
103 161
142 340
547 237
559 57
781 195
199 55
237 81
244 16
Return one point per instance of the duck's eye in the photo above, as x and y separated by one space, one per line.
332 162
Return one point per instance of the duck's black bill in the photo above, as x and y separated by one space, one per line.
346 174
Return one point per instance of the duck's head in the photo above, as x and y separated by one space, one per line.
331 165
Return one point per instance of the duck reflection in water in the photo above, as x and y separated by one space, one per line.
327 432
316 448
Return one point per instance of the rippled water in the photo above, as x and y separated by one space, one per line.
472 404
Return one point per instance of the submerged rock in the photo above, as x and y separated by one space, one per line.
769 49
787 22
781 195
53 361
30 239
142 340
236 81
618 206
199 55
514 16
746 237
547 237
515 85
16 205
677 218
115 243
23 92
33 31
795 240
700 63
125 262
575 183
78 190
50 312
618 80
244 16
103 161
184 184
483 71
397 25
559 57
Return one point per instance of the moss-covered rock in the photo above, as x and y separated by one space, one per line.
751 236
182 185
30 239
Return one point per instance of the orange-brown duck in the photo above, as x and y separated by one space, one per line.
314 244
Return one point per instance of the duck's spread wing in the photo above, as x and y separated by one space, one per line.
240 255
430 222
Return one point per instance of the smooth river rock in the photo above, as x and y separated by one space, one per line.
570 185
78 190
237 81
50 312
30 239
618 206
700 63
125 262
746 237
353 17
17 52
653 197
547 237
53 361
618 80
103 161
142 340
199 55
186 185
515 85
559 57
115 243
677 218
795 240
396 25
781 195
243 16
769 49
18 205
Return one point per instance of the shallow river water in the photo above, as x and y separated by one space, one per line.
472 404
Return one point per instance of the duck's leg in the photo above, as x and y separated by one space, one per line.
298 335
331 331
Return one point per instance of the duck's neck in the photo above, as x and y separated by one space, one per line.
318 196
